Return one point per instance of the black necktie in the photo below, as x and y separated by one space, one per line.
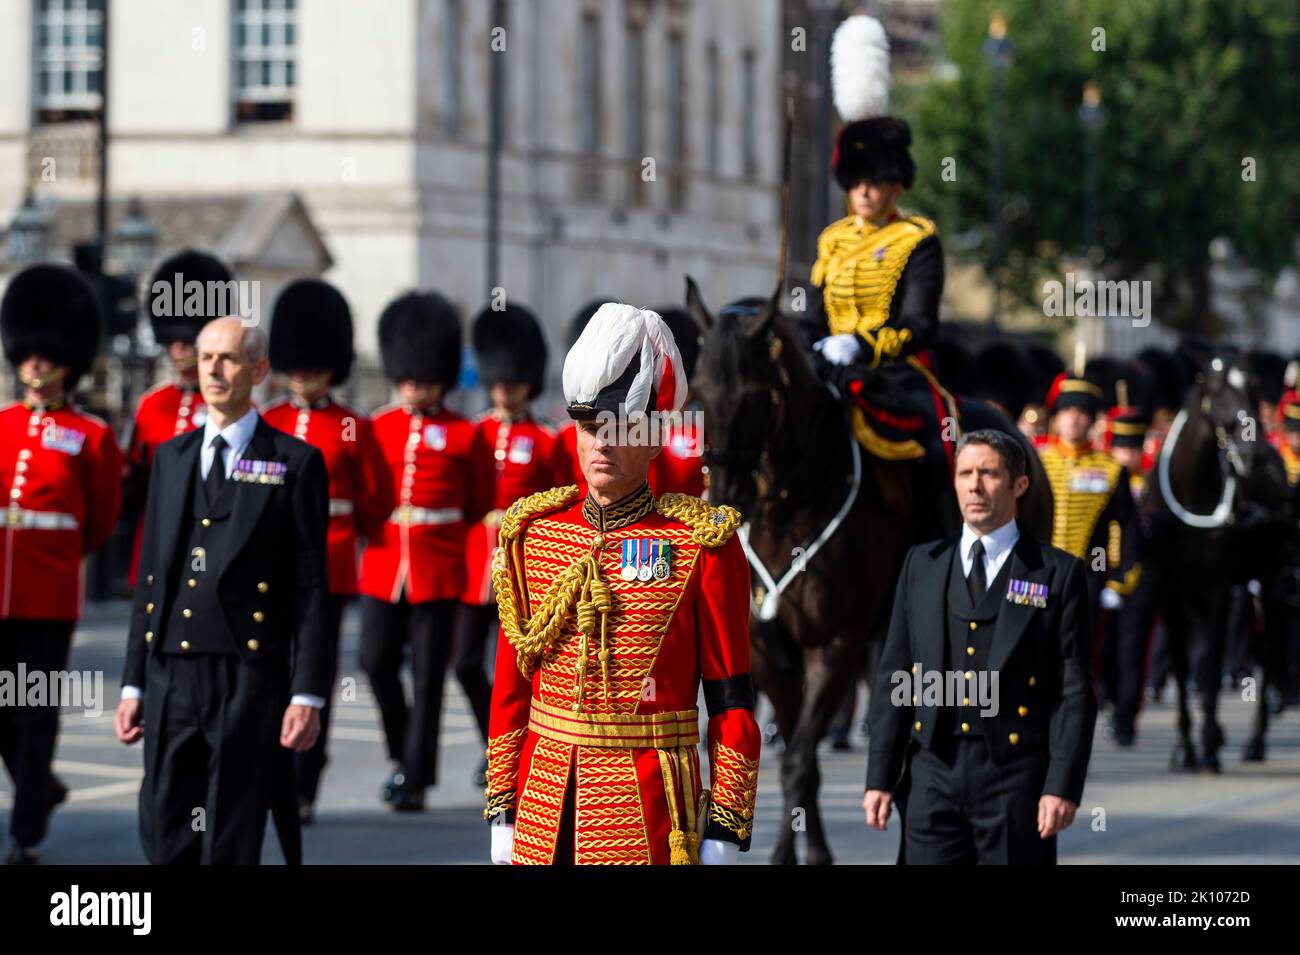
976 582
217 472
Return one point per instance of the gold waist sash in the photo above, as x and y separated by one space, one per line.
616 730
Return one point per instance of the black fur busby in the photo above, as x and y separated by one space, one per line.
52 311
420 339
509 346
873 145
955 360
1171 377
875 149
686 333
1269 370
311 327
183 324
1044 365
1002 376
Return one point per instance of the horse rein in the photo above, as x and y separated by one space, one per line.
1229 464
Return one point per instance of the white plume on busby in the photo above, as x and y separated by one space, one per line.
860 69
625 357
871 145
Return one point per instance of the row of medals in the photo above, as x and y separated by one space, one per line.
643 568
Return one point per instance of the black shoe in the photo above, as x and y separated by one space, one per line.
479 778
408 800
392 785
55 796
17 855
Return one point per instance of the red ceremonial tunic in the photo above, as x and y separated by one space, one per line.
361 489
625 738
679 467
165 411
62 471
443 479
523 453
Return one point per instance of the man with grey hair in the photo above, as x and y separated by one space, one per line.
227 663
983 710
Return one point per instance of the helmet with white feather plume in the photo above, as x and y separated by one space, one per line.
872 145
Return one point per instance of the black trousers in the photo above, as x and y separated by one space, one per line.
309 765
963 809
1129 632
411 730
475 628
211 746
28 734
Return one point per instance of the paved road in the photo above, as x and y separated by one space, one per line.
1134 810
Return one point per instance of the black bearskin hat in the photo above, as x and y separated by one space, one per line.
52 311
420 339
1002 376
311 327
510 347
161 297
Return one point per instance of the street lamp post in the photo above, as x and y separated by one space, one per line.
29 232
999 54
1092 117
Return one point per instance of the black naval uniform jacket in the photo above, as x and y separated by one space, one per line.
1042 656
263 591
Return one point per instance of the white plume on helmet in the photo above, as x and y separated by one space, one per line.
860 69
615 336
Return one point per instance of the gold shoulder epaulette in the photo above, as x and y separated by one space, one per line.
710 526
531 505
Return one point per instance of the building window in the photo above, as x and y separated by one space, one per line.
634 92
748 114
676 138
69 59
265 64
451 69
589 85
715 111
634 110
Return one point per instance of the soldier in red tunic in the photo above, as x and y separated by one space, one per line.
616 606
311 345
510 350
413 568
170 408
63 471
679 468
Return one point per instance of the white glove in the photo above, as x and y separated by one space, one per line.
718 852
1111 599
839 349
1252 587
503 841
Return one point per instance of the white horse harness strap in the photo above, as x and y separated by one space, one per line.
774 588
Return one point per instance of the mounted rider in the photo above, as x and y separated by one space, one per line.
880 270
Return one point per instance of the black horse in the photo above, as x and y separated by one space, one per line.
1220 516
826 530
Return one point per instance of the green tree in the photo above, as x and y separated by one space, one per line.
1201 139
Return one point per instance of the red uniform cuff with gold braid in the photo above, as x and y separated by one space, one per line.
503 754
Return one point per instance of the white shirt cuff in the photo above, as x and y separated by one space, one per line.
132 693
307 699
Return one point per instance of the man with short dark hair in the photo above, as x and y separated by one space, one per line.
983 710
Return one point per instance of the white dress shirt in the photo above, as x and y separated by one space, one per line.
237 436
998 545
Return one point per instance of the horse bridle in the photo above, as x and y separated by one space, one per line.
756 460
1230 466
